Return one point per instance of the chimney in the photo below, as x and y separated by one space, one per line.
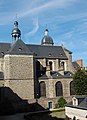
79 62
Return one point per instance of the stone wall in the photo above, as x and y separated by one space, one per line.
50 86
18 67
23 88
51 92
55 63
42 62
1 64
19 75
44 102
69 62
1 83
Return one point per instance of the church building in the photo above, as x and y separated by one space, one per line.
35 72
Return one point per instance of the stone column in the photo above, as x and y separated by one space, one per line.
48 71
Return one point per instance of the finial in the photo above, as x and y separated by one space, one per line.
16 21
15 24
46 30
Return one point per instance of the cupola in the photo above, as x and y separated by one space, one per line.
16 33
47 40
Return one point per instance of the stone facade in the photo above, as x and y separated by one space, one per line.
19 75
50 87
18 67
25 66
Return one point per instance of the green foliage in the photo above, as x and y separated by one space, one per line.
61 102
80 82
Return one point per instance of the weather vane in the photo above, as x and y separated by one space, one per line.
16 17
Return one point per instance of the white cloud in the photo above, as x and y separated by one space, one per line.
68 44
45 6
54 13
68 35
35 28
81 28
28 8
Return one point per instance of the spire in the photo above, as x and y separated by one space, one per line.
16 33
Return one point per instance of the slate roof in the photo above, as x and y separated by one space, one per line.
48 51
57 75
19 48
4 47
68 74
82 103
38 51
80 96
75 65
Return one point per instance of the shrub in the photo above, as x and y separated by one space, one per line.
61 102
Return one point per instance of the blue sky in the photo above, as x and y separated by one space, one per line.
66 21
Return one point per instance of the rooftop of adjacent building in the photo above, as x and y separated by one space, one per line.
82 102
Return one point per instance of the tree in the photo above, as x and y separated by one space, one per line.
80 82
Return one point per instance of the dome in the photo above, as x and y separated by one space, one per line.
47 40
16 32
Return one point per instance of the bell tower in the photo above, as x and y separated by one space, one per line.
16 33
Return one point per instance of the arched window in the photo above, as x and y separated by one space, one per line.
1 75
42 89
71 88
58 88
50 64
62 65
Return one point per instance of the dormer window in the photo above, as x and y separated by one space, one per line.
20 49
2 53
70 74
49 54
61 54
62 65
75 101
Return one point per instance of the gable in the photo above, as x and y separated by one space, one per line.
19 48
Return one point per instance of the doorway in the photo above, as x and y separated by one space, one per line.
50 105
